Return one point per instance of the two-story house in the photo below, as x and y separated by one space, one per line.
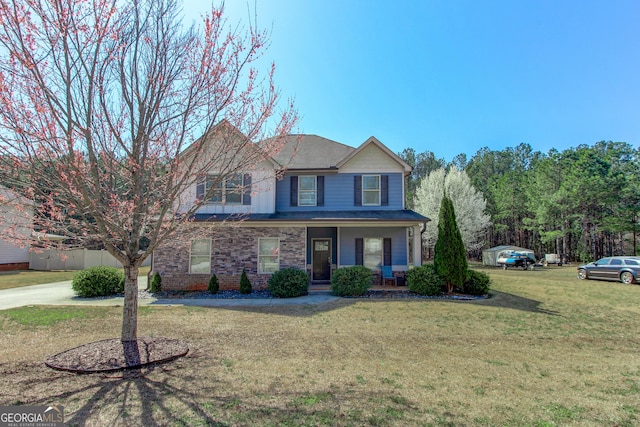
334 206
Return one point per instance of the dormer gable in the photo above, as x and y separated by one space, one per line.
372 155
224 147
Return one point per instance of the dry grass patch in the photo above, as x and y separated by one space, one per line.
546 350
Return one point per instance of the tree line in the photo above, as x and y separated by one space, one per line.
582 203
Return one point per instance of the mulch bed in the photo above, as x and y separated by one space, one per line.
114 355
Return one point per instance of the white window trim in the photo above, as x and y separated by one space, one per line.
371 191
315 190
260 264
191 256
364 252
223 189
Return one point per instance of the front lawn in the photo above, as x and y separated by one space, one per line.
546 350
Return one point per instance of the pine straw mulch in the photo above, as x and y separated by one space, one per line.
115 355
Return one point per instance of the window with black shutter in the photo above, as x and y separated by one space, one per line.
359 251
357 190
386 256
294 191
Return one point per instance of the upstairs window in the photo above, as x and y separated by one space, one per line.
370 190
307 190
234 189
307 187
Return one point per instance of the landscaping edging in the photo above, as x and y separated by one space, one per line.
112 355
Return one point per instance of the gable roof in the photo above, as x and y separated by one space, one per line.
311 152
374 141
301 151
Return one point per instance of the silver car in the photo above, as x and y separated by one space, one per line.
625 269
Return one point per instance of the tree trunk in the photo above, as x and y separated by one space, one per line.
130 310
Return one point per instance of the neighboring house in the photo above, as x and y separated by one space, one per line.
334 206
16 226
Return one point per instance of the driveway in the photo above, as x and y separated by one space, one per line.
60 293
48 294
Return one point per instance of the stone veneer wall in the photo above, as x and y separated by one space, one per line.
233 248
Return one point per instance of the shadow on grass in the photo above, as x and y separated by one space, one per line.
516 302
178 394
302 310
126 398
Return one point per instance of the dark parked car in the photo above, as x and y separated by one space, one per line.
625 269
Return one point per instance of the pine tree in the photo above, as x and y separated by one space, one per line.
450 258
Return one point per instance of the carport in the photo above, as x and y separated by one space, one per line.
490 256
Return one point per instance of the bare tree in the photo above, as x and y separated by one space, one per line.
100 100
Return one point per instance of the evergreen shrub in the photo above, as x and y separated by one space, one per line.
478 283
245 284
214 285
289 283
425 280
156 283
98 281
351 281
450 257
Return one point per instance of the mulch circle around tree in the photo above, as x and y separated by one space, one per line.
112 355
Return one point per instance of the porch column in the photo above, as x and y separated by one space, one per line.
417 246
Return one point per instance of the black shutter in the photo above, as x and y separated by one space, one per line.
320 191
357 190
246 195
386 256
384 190
200 188
294 191
359 251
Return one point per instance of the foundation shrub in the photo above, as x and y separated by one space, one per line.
351 281
214 285
289 283
156 283
424 280
245 283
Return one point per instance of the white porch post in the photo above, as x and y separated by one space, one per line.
417 246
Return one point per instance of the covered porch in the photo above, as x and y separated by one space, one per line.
392 246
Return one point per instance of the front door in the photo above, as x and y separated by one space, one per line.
321 259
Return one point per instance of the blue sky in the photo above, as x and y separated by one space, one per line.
453 76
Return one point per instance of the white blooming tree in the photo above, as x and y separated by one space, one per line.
468 203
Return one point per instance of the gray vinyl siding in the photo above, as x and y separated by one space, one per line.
338 194
398 235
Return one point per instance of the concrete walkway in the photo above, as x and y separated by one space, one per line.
60 293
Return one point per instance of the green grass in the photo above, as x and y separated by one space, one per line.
546 350
19 278
34 316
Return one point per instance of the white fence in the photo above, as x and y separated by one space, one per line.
78 259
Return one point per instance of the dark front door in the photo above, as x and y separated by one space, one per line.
321 259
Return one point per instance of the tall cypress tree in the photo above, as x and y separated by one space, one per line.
450 258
